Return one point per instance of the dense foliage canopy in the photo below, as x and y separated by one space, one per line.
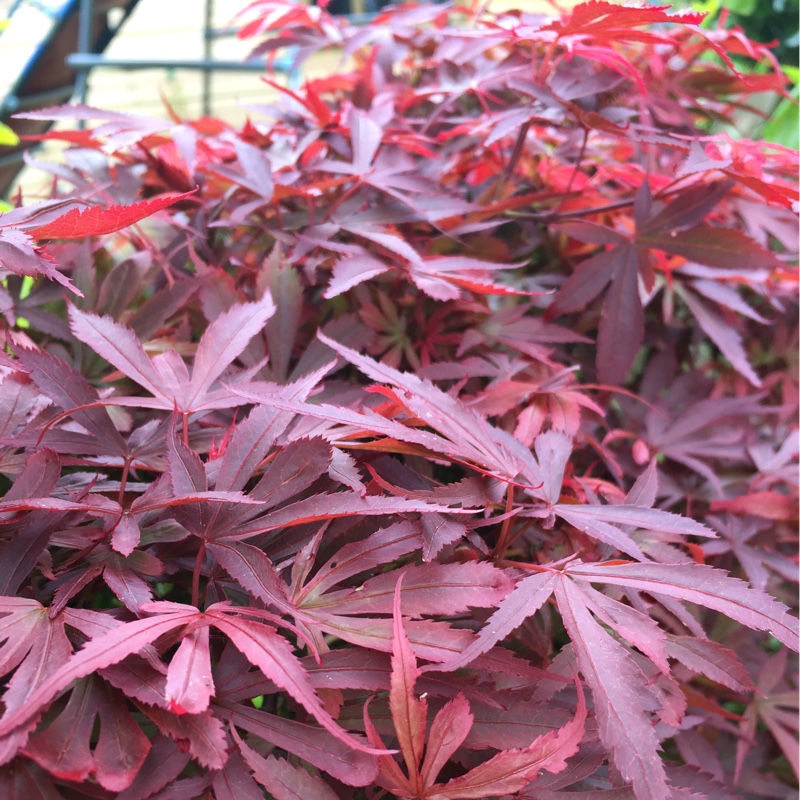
433 435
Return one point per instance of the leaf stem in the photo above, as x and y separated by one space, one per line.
502 541
123 481
198 563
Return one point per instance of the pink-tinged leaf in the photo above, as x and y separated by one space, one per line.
126 584
708 658
118 345
366 137
69 389
621 697
409 713
308 742
439 531
250 442
703 585
330 506
224 340
390 776
768 504
722 333
97 221
163 764
352 270
18 629
202 734
621 328
190 685
234 782
294 469
126 535
450 727
511 770
553 450
186 473
635 626
344 469
252 570
273 655
20 255
49 649
382 547
23 779
64 747
284 781
38 477
362 422
643 493
726 248
138 679
435 408
600 521
433 641
427 589
529 595
103 651
122 746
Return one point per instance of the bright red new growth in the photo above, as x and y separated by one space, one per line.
442 444
98 221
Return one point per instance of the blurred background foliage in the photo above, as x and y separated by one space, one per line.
765 21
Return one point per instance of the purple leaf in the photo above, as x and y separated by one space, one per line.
725 248
190 685
20 254
703 585
529 595
273 655
409 713
622 699
621 327
223 341
284 781
234 782
427 589
450 727
315 745
511 770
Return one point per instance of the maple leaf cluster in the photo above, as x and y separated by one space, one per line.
433 435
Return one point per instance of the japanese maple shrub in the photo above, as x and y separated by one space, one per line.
433 435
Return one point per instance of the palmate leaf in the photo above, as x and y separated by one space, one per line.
259 643
703 585
512 770
312 744
507 772
427 589
622 698
166 377
606 523
284 781
469 434
66 747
